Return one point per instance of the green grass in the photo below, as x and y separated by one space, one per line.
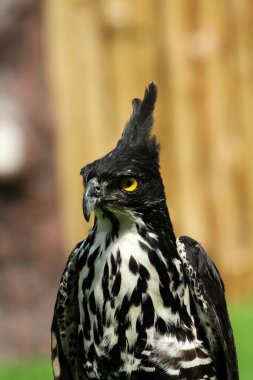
33 369
241 316
242 321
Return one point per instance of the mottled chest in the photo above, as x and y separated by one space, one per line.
128 300
115 285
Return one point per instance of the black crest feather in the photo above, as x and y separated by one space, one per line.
138 128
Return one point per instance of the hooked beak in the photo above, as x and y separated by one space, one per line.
91 198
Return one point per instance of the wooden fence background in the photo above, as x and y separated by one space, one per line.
101 54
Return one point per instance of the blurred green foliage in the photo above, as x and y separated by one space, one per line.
241 315
34 369
242 321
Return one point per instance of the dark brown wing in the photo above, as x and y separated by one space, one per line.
65 322
208 292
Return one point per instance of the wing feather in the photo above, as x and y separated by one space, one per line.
65 322
208 292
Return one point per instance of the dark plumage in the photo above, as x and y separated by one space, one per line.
134 302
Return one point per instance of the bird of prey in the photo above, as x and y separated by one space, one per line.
134 302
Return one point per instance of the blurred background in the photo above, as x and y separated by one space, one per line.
68 72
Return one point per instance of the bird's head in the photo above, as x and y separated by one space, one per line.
127 178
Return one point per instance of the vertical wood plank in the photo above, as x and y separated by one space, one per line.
185 119
77 83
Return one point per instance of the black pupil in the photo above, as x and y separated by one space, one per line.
129 182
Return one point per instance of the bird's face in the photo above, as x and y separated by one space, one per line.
121 181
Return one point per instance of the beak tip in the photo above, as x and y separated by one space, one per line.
87 217
86 212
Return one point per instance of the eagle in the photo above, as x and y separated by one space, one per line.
134 301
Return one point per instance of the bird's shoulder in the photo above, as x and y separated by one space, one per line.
200 270
68 280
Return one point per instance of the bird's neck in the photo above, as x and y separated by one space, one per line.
148 222
157 221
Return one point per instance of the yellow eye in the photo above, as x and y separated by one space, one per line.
129 184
